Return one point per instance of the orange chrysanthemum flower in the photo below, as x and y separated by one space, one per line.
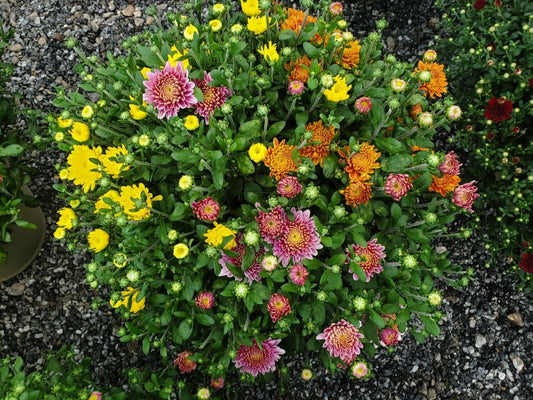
437 85
279 159
415 110
445 184
357 192
299 69
295 20
361 164
318 152
350 55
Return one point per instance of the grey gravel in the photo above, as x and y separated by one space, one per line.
485 347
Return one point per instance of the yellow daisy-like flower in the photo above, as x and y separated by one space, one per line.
66 216
215 24
257 152
59 136
258 25
63 174
145 71
269 52
81 169
64 123
111 166
130 294
60 233
181 250
216 236
136 112
236 28
191 122
74 203
218 8
100 205
87 112
339 90
185 182
189 32
98 240
250 8
80 132
176 56
132 203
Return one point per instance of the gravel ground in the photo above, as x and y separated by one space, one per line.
480 354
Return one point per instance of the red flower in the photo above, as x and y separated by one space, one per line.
498 3
480 4
278 306
490 136
527 263
499 109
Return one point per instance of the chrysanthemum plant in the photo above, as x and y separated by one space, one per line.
255 182
487 47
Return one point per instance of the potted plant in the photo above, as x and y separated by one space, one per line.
22 223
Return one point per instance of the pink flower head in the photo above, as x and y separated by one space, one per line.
169 90
526 264
342 340
272 224
450 165
390 337
371 255
278 306
206 209
299 274
296 87
255 361
363 105
498 3
335 8
397 186
289 187
184 364
214 97
217 383
359 370
499 109
299 241
205 300
464 196
252 273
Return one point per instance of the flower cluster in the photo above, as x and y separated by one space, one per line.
259 182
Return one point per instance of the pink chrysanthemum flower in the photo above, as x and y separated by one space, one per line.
397 185
299 241
214 97
298 274
296 87
252 273
390 337
450 165
205 300
206 209
217 383
464 196
363 105
371 255
272 224
184 364
336 8
255 361
278 306
360 370
289 187
169 90
342 340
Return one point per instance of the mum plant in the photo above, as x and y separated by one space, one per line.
254 182
486 46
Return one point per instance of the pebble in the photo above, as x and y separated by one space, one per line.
480 341
517 362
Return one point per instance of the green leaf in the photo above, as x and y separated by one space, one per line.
332 280
301 118
391 145
377 319
150 58
276 128
395 211
185 329
11 150
398 163
430 325
179 212
160 159
287 34
146 344
186 156
311 50
250 129
198 94
218 172
312 83
166 317
205 319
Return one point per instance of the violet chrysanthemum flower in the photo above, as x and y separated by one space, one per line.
370 256
289 187
299 241
206 209
278 306
464 196
205 300
255 361
272 224
397 185
298 274
342 340
450 165
169 90
252 273
214 97
363 105
296 87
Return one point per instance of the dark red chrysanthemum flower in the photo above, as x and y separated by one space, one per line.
527 263
499 109
480 4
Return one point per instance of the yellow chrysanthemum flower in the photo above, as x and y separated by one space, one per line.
127 295
60 233
258 25
180 251
191 122
215 24
80 132
100 205
216 236
131 197
64 123
218 8
66 216
189 32
236 28
269 52
59 136
87 112
81 169
111 166
339 90
74 203
98 240
63 174
176 55
145 71
250 8
185 182
257 152
136 112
